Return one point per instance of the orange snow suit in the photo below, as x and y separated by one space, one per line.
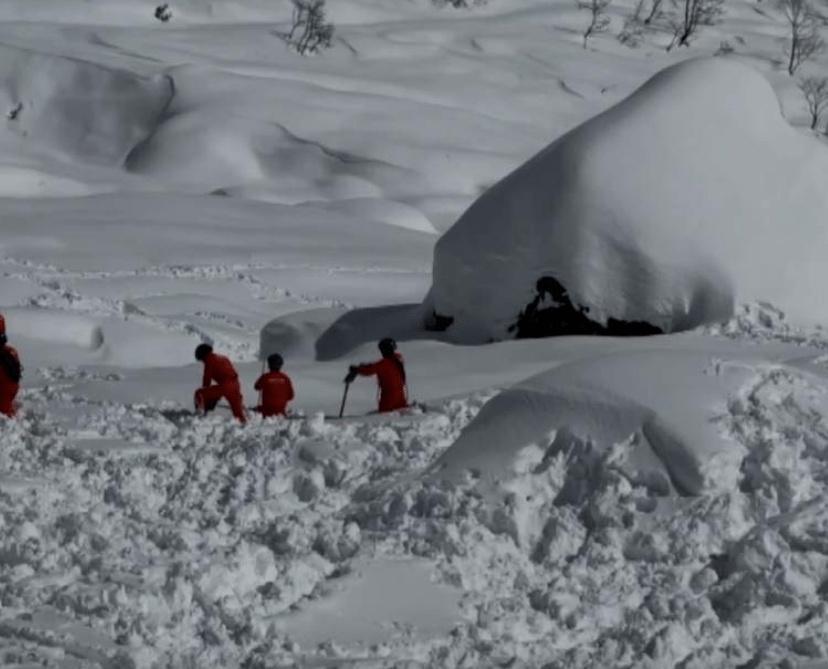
219 369
277 391
391 382
8 388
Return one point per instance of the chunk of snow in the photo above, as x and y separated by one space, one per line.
663 209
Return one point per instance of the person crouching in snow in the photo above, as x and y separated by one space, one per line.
275 387
390 373
219 369
10 373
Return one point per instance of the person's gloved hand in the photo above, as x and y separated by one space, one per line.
352 374
209 406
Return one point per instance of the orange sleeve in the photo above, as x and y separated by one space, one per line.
369 370
208 374
258 384
289 389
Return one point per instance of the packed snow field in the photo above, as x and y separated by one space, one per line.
570 502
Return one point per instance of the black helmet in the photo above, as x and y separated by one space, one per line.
387 347
202 351
275 362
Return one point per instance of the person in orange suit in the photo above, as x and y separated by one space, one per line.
275 387
10 373
390 373
219 369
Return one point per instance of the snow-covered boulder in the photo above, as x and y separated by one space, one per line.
76 108
690 194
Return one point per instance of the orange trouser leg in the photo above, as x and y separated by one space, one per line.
208 395
230 391
233 394
392 403
8 406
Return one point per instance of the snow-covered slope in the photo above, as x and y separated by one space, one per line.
77 109
663 209
289 203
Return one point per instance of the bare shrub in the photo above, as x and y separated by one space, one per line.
163 13
598 20
815 91
804 40
458 4
631 34
691 16
310 30
655 12
725 49
633 31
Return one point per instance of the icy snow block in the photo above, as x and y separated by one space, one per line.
664 210
76 108
660 406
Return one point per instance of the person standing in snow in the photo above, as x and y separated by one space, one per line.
275 387
219 369
390 373
10 372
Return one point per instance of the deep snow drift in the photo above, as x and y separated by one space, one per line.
661 210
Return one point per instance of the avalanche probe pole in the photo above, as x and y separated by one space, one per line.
344 395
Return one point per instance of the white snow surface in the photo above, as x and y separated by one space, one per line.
533 509
665 208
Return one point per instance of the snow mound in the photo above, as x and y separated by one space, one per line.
254 159
75 108
295 334
661 410
386 211
227 152
20 181
53 326
660 212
